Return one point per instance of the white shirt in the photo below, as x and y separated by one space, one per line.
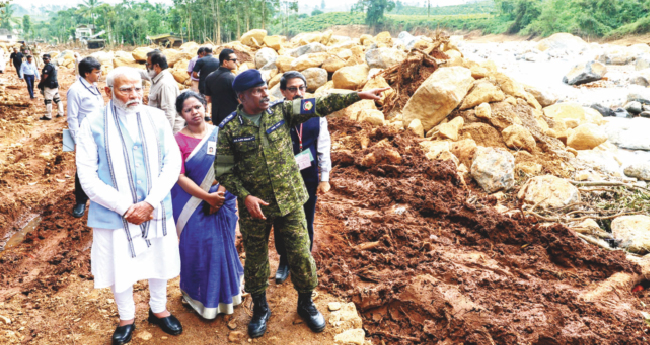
108 196
83 99
29 69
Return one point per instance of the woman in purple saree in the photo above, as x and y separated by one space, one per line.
206 218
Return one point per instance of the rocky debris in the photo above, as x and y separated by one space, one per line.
235 336
316 77
345 318
312 60
417 127
334 306
253 38
641 78
378 82
438 96
140 53
450 129
352 112
585 73
123 58
351 77
643 62
439 150
144 335
544 98
640 170
493 169
351 336
634 107
333 63
264 57
519 138
548 191
482 92
313 47
483 111
384 57
562 42
633 232
603 110
639 95
620 112
283 62
6 320
381 156
629 133
586 136
372 116
566 111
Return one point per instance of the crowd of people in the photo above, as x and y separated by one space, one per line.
199 162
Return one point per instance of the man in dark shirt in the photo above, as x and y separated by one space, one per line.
204 66
218 87
50 86
16 60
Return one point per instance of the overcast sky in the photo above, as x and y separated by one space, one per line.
309 3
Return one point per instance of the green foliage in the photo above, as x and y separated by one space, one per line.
27 26
374 10
316 12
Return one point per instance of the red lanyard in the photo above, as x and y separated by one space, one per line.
300 136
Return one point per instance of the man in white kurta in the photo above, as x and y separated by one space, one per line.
128 161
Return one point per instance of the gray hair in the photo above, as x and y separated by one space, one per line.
128 72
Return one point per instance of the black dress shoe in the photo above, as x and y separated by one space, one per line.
261 315
169 324
123 334
307 310
45 118
282 273
78 210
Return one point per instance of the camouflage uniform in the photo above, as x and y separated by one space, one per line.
259 161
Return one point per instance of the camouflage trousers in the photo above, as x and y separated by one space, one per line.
255 234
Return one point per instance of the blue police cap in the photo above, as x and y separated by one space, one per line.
248 79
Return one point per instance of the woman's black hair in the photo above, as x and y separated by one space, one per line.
88 65
184 96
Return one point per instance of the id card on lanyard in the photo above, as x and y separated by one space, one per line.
304 158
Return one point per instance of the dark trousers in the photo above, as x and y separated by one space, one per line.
29 79
18 69
310 211
79 194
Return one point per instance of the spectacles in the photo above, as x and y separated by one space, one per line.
294 89
129 89
235 59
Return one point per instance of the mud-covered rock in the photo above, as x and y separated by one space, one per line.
378 82
438 95
371 116
633 232
450 129
417 127
350 77
333 63
493 169
264 57
384 57
586 137
549 191
483 111
351 336
316 77
519 138
303 62
140 53
283 62
253 38
274 42
482 92
544 98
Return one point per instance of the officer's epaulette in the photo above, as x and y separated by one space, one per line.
227 119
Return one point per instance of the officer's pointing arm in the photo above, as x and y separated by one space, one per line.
301 110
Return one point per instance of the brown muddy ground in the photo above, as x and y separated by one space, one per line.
451 269
425 260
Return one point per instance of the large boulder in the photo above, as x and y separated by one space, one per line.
643 62
562 41
123 58
316 77
633 232
407 40
639 95
306 61
384 57
518 137
351 77
274 42
173 56
641 78
333 63
586 137
450 129
438 150
630 134
566 110
482 92
372 116
493 169
640 170
438 95
283 62
140 53
585 73
378 82
314 47
264 57
352 112
544 98
548 191
105 58
416 127
253 38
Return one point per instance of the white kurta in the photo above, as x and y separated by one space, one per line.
111 260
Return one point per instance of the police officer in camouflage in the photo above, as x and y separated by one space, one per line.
255 162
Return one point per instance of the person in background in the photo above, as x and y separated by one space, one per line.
29 73
84 98
128 162
218 87
190 68
310 135
206 218
16 60
203 67
164 88
50 86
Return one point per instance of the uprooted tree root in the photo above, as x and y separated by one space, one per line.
427 260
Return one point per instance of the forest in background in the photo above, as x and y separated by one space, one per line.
130 22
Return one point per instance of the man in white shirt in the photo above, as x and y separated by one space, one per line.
164 88
84 98
314 136
128 161
29 72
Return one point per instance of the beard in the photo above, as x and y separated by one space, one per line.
130 107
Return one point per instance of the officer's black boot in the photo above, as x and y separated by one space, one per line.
261 315
307 310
